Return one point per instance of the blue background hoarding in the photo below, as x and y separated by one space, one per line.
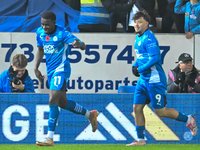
24 120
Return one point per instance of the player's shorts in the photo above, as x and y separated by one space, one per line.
150 92
58 81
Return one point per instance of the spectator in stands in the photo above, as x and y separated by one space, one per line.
170 17
118 10
161 6
94 17
16 78
184 78
147 6
192 17
76 5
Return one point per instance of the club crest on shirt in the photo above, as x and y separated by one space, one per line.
55 38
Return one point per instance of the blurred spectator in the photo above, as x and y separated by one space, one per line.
170 17
118 10
147 6
185 77
94 17
192 17
75 4
161 6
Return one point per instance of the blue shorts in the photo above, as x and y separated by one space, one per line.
58 81
150 92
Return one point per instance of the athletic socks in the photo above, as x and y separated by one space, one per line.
50 134
53 117
181 117
75 108
189 120
140 131
87 114
54 113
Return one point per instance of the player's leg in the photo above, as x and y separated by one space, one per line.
139 114
77 108
139 125
55 84
170 113
158 100
139 103
54 97
174 114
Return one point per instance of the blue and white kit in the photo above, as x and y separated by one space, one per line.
56 50
152 84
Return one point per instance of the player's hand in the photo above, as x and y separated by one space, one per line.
190 81
180 77
135 71
76 43
80 44
189 35
39 75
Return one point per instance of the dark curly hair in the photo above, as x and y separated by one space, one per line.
49 15
142 14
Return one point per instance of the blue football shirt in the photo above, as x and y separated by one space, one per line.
56 49
149 58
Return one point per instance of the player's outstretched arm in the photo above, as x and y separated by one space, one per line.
80 44
39 56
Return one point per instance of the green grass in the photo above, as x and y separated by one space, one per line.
100 147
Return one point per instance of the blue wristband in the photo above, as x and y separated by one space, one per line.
81 44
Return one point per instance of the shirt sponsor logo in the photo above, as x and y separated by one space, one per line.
193 16
48 49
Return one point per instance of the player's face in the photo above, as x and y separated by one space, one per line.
186 66
140 25
20 72
48 25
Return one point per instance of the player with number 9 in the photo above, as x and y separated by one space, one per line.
152 83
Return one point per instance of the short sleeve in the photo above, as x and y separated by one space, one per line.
69 37
39 41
